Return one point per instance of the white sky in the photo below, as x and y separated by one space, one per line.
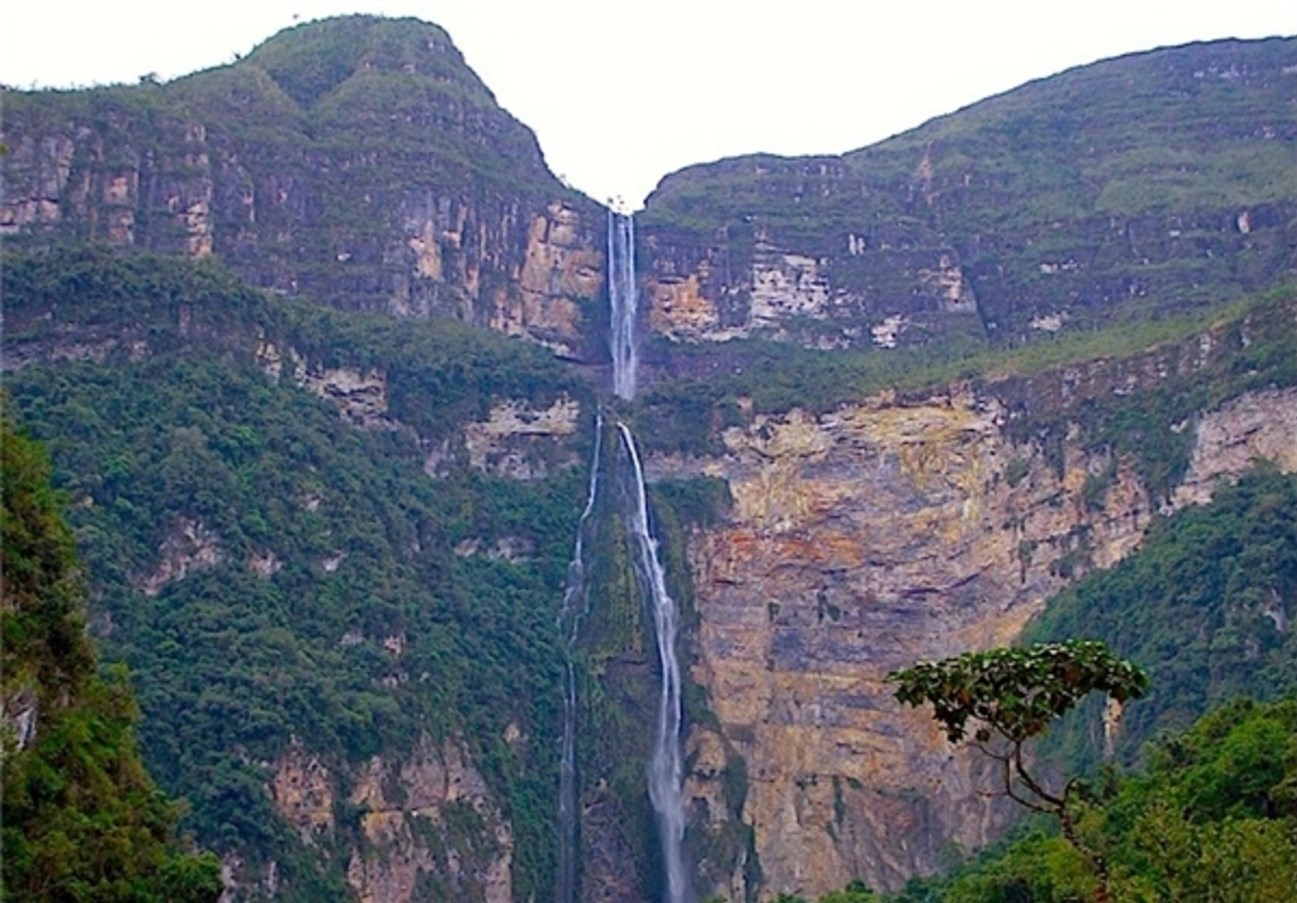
621 93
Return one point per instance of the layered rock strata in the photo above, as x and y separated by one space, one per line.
869 537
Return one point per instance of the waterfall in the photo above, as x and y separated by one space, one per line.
666 771
622 294
576 601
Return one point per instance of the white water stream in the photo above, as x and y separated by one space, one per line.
576 604
623 296
666 771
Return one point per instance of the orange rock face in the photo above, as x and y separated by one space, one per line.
861 541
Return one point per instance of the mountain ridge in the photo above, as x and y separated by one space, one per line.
1125 188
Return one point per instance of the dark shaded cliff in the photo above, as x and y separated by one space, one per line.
355 161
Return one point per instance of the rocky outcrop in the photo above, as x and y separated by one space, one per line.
191 545
1228 439
19 713
432 831
302 789
360 395
522 443
754 280
428 826
867 538
560 270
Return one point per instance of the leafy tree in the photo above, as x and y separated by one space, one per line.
1212 817
855 892
1012 695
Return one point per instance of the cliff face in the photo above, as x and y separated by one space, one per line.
354 161
1147 183
425 823
893 530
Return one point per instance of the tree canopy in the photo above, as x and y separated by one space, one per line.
1016 692
1013 695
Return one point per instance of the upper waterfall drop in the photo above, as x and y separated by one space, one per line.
623 296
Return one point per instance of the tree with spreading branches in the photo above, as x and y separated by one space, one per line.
1011 696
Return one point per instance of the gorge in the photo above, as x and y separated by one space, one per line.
468 540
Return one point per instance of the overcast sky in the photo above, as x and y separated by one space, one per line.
621 93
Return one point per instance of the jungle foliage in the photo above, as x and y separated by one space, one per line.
1213 816
330 592
83 819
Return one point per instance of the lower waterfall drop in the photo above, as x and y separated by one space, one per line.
666 769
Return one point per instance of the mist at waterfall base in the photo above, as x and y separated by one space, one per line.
665 773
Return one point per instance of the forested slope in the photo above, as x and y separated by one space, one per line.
83 819
278 578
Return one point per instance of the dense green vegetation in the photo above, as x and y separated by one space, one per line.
312 549
1212 817
439 373
82 818
232 663
1207 605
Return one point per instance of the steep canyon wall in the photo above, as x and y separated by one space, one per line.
888 531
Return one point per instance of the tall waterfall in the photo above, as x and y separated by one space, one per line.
666 770
576 602
665 774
